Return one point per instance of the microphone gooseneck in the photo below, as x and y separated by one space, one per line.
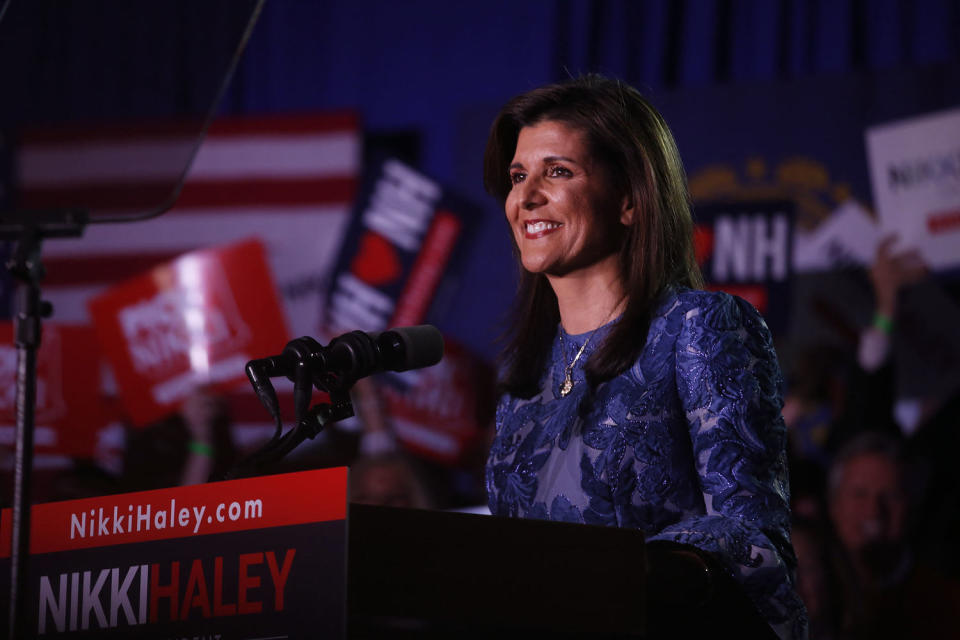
333 369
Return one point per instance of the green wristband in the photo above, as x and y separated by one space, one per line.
883 322
200 448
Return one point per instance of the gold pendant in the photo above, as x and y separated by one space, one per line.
567 384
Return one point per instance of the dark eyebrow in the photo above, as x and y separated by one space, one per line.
560 159
548 160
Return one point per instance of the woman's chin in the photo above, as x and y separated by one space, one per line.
536 264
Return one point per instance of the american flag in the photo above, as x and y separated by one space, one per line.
288 180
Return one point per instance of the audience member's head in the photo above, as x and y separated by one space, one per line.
868 503
388 480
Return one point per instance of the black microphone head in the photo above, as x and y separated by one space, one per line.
353 355
406 348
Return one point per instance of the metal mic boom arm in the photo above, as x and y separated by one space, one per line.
334 369
305 362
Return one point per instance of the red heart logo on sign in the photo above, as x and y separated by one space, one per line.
376 263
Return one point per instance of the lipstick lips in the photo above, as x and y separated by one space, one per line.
533 229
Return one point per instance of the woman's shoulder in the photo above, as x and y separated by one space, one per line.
712 309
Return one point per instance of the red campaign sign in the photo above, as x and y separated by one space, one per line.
194 321
442 416
69 411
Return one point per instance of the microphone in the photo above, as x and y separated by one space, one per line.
351 356
358 354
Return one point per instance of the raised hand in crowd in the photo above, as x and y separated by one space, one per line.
200 411
890 272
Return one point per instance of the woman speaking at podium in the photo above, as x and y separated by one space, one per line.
629 397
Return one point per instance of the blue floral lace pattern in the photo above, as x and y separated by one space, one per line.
687 445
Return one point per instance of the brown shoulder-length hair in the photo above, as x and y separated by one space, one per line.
630 139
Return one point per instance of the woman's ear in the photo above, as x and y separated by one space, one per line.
627 212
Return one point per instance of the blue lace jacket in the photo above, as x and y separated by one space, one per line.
687 445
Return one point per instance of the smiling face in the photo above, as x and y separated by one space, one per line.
562 208
869 505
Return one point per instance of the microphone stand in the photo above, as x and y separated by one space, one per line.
310 426
298 362
334 369
29 229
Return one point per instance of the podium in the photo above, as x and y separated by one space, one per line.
424 574
283 556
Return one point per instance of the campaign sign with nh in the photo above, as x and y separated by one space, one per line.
194 321
69 408
915 173
745 248
396 252
254 558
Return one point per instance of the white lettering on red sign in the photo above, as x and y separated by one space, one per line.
183 327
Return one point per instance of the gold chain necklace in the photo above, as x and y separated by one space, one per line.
567 385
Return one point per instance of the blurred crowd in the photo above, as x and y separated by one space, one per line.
876 501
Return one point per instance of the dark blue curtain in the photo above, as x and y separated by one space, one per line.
422 64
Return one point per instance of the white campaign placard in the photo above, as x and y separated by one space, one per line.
915 172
